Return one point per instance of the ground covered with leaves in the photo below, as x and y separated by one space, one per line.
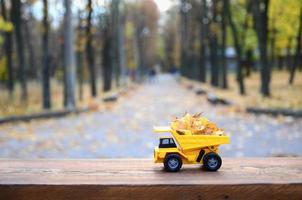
124 128
16 105
283 95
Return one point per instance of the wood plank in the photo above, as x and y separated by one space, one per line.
246 178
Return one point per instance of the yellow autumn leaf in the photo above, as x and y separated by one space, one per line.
195 124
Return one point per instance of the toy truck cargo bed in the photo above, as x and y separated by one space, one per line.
187 141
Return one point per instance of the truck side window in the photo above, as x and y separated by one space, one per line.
165 141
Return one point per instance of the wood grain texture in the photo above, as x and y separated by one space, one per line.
248 178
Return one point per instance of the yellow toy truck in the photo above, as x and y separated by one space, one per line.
186 148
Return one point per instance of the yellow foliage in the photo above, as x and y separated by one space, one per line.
5 26
129 29
215 28
131 64
195 124
3 71
284 19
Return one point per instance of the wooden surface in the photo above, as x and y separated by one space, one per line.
261 178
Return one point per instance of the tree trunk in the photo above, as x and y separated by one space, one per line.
273 45
193 69
298 51
249 62
79 56
62 59
8 44
16 19
140 52
288 53
89 51
260 14
122 50
280 62
45 61
32 69
223 46
115 19
235 35
107 58
214 60
184 37
136 56
203 30
80 73
69 60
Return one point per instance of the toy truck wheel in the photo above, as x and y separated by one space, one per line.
212 162
172 163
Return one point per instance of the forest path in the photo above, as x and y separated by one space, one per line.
126 130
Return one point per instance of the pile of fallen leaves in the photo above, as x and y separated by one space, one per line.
196 125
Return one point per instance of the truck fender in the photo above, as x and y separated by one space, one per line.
179 153
201 154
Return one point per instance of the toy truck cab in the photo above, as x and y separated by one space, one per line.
185 148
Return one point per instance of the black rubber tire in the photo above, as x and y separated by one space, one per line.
168 163
212 162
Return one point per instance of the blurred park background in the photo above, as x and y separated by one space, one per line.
90 78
